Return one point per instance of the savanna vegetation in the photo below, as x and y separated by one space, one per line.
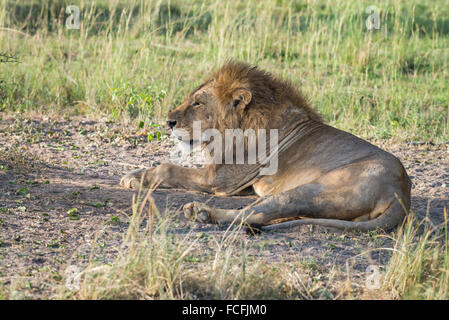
133 61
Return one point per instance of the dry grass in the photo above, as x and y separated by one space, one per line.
158 260
419 266
157 263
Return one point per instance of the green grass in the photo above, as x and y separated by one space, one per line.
138 59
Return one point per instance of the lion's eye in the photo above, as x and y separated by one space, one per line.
195 104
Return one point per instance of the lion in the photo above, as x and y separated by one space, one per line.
324 176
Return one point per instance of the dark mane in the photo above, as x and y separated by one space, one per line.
267 90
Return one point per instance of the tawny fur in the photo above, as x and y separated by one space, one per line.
326 175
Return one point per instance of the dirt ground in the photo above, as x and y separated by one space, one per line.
50 167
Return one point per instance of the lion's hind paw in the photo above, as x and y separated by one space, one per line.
197 211
129 182
132 179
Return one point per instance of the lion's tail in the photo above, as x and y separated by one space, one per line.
393 216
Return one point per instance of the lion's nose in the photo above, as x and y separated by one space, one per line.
171 123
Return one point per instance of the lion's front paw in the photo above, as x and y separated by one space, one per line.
197 211
132 179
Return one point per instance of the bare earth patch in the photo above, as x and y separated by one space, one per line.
59 192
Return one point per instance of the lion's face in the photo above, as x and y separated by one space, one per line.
203 105
200 105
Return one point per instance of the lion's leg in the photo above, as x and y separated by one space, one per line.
132 179
169 175
307 201
203 213
299 202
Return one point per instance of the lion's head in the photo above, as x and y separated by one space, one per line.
240 96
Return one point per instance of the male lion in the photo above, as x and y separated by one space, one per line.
325 176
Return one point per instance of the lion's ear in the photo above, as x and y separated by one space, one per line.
241 98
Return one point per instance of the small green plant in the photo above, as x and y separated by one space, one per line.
157 132
115 220
23 191
73 214
53 244
99 204
127 99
